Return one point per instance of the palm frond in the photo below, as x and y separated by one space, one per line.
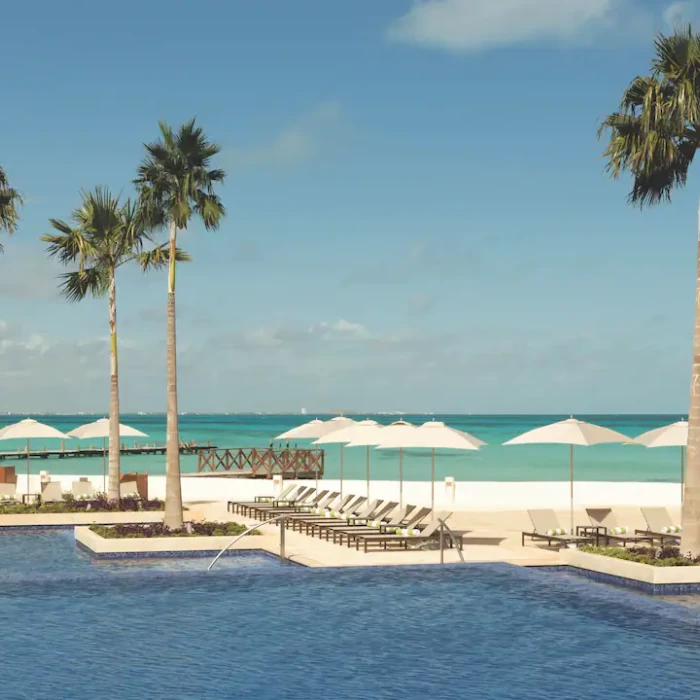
10 203
175 176
655 135
159 257
91 281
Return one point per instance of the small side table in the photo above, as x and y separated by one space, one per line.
31 498
597 531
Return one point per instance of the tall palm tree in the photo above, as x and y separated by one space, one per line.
10 201
176 183
105 234
654 136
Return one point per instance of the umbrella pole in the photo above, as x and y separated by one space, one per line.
28 489
432 480
367 472
104 465
341 469
401 477
571 487
682 474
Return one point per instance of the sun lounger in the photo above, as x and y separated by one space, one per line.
397 518
51 492
363 524
8 494
258 510
406 536
303 510
127 489
613 531
311 501
351 509
233 506
410 522
345 505
660 525
83 490
546 528
363 513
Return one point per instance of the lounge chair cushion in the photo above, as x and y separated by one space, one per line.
620 530
407 532
671 529
376 523
557 531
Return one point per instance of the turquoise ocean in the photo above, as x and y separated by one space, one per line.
492 463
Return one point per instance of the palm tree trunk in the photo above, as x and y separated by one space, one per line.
173 490
113 490
690 517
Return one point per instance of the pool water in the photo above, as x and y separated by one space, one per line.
253 628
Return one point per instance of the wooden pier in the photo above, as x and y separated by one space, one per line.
92 451
262 463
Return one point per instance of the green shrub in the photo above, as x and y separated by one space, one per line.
203 529
665 556
99 504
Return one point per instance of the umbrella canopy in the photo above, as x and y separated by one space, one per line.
353 432
30 428
397 432
673 435
569 432
433 435
100 429
26 430
315 429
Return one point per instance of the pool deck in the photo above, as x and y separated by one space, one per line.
482 547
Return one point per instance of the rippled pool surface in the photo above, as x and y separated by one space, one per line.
73 629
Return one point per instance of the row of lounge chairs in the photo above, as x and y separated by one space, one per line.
605 528
52 492
350 520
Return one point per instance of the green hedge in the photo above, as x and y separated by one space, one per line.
100 504
666 556
203 529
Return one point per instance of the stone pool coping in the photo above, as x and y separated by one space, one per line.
171 547
668 580
70 520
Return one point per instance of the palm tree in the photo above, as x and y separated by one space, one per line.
105 235
176 183
654 136
10 200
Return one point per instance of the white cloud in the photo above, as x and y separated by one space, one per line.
472 25
680 13
295 144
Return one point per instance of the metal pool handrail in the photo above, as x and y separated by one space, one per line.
444 526
247 532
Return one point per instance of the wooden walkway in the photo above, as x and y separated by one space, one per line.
91 451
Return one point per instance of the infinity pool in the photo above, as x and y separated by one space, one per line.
73 629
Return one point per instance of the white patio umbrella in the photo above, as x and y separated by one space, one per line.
433 435
100 429
345 435
315 429
26 430
673 435
377 435
569 432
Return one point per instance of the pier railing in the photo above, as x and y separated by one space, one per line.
263 463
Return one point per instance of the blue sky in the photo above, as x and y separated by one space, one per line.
418 215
